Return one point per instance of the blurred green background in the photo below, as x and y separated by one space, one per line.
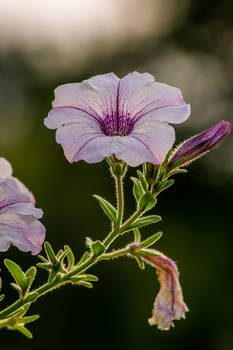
187 44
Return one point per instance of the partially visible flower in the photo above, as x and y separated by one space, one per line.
198 145
128 117
169 304
18 216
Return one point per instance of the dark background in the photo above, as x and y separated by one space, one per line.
186 44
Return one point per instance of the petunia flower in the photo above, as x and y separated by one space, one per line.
200 144
169 304
127 117
18 216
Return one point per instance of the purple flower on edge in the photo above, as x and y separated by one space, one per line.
169 304
18 216
198 145
128 117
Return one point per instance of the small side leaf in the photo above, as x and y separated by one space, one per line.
70 257
16 273
151 240
147 201
146 220
138 190
97 248
50 253
84 284
23 330
142 180
140 262
107 207
137 235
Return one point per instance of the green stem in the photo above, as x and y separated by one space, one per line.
120 201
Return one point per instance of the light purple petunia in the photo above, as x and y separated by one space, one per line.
128 117
18 216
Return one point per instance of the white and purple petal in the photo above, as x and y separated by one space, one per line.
23 231
96 96
18 216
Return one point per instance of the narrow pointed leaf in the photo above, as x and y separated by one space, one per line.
16 273
2 296
151 240
52 276
44 266
29 319
107 207
50 253
140 262
146 252
138 190
16 287
142 180
70 257
85 284
24 331
137 235
89 277
83 258
146 220
42 258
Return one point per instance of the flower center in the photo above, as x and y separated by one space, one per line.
114 124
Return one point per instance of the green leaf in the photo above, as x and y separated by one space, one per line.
30 276
168 155
89 277
42 258
147 252
32 296
24 331
97 248
142 180
16 273
177 171
29 319
70 257
44 266
50 253
164 185
138 190
84 284
140 262
83 258
146 220
107 207
2 296
137 235
147 201
151 240
17 288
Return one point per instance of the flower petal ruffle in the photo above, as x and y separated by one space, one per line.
157 137
96 96
21 230
140 94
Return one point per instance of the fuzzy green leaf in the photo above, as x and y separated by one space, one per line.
142 180
97 248
138 190
146 220
151 240
70 257
137 235
84 284
107 207
147 201
50 253
23 330
140 262
16 273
